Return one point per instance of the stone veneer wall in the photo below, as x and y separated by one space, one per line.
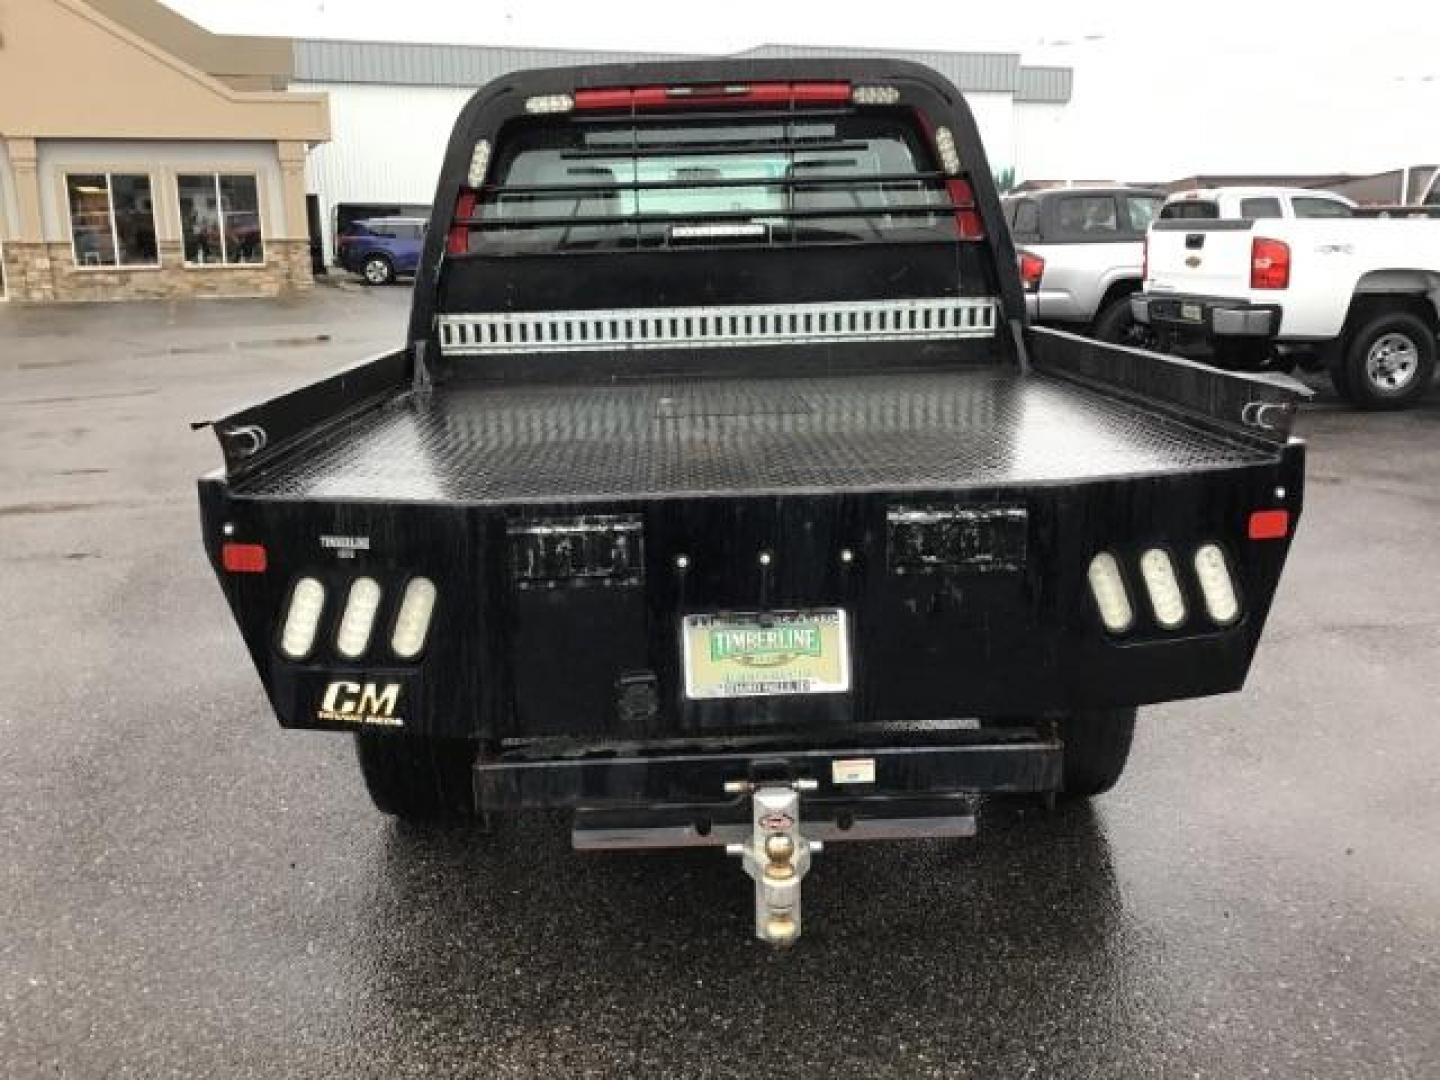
46 272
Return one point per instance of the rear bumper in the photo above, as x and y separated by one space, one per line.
889 765
1206 317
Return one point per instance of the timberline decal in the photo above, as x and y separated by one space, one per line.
361 703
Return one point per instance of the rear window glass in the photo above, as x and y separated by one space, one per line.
1140 211
1260 208
1088 214
1027 219
560 186
1190 210
1310 207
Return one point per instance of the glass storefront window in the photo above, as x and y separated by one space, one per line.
220 219
112 219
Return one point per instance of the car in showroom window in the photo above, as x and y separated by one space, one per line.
220 218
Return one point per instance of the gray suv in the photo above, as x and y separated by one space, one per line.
1081 252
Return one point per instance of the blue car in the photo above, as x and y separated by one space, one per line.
381 249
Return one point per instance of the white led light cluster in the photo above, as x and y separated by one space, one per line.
875 95
307 601
357 621
549 103
949 156
1163 589
479 163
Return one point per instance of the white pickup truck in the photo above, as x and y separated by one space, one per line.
1361 294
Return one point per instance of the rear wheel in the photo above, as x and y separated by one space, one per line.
415 778
1117 325
377 270
1389 361
1097 745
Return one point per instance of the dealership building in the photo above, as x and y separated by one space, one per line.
143 157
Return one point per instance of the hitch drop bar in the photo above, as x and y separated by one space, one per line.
777 856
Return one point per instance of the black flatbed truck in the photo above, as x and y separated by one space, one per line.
722 493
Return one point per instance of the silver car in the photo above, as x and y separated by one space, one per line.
1081 251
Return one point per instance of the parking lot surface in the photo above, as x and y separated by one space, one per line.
189 891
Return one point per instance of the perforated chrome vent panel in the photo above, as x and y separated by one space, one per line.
493 333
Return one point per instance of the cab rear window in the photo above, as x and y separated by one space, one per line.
616 184
1190 210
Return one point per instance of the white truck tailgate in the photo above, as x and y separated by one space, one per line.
1211 259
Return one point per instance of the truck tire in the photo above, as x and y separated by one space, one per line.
377 270
415 778
1097 745
1117 326
1389 361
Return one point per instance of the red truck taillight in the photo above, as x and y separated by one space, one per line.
1032 269
1269 264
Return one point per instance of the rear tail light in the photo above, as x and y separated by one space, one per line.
1269 264
302 618
1145 260
353 637
1032 269
1108 586
412 624
1216 585
1166 600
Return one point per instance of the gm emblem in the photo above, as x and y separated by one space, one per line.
361 703
1192 261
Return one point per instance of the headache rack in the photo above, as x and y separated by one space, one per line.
770 178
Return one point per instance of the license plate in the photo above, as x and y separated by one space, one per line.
1191 312
783 652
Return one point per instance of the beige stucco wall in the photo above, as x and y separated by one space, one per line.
66 71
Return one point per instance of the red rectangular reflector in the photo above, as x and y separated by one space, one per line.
1269 524
243 558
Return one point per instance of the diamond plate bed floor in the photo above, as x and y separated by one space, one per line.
483 442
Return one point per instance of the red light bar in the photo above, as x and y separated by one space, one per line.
1269 524
243 558
687 97
457 240
967 218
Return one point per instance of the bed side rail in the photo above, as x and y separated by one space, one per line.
1260 406
260 432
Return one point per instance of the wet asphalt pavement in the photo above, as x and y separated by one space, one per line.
189 891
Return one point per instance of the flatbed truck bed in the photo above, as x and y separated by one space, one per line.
976 427
722 494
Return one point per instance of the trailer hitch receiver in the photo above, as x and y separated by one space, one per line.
776 856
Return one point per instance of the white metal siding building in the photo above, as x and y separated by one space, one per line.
392 105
